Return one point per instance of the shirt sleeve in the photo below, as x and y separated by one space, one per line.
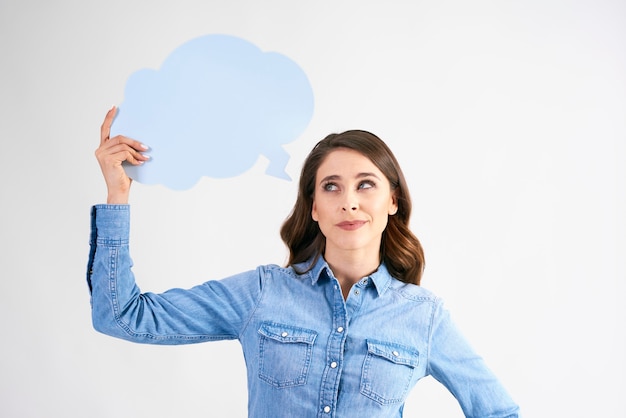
453 362
215 310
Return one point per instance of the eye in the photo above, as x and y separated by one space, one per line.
330 187
367 184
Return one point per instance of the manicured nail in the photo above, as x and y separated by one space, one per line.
144 146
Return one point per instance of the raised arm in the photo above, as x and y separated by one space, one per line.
111 153
212 311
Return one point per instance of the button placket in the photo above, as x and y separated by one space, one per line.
334 355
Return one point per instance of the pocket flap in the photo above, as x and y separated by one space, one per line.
395 353
287 333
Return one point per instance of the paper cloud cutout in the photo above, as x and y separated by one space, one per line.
214 106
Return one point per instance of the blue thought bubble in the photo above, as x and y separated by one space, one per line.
216 104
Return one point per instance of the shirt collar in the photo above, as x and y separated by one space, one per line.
381 277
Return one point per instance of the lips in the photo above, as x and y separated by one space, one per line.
351 225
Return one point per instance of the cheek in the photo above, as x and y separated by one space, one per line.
382 207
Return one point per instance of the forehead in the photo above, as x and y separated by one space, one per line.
345 162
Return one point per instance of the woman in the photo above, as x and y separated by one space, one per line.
343 331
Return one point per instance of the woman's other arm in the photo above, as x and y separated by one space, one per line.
454 363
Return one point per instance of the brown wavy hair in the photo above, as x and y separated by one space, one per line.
400 249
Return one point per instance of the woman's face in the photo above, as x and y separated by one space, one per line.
352 202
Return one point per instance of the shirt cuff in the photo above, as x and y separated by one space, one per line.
110 224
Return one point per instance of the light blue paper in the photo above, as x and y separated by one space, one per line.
214 106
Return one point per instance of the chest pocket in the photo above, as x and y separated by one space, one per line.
388 371
284 354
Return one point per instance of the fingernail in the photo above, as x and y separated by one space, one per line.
144 146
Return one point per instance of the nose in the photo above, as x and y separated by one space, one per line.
350 203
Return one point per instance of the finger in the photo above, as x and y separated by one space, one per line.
134 144
131 156
135 157
105 129
116 152
111 163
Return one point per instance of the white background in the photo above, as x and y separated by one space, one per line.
509 119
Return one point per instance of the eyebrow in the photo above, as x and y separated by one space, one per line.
338 177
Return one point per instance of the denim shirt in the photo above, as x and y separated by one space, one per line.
308 352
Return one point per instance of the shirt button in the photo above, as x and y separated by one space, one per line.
284 334
340 329
365 282
357 291
395 353
327 409
333 365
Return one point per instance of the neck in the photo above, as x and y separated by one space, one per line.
351 266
